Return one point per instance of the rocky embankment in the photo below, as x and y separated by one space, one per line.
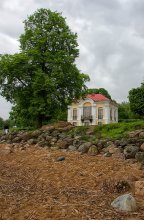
60 137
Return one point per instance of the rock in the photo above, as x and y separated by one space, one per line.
62 135
125 203
54 140
32 141
49 128
42 144
76 143
84 147
140 157
26 136
62 144
72 148
55 148
108 143
139 188
117 142
113 149
60 158
69 140
107 154
36 133
142 147
48 138
55 133
93 150
134 134
101 144
17 140
141 135
130 151
123 143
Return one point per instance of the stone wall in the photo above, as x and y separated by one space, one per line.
54 138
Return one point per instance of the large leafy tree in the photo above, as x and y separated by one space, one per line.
43 77
136 98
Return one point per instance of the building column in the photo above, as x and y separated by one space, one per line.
80 114
94 114
69 116
117 115
107 114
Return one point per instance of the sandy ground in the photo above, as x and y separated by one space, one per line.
34 186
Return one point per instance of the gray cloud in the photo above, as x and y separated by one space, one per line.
110 37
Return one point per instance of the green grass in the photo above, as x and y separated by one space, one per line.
110 131
80 130
118 130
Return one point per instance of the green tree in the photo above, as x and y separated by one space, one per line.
98 91
43 77
136 99
125 112
1 123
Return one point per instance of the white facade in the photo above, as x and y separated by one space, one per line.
99 112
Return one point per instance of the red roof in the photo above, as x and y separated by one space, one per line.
97 97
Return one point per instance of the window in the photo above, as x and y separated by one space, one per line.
74 114
100 113
87 111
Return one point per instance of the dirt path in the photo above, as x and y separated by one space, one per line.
34 186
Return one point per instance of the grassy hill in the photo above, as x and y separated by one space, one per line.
113 131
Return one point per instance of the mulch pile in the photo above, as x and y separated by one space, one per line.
35 186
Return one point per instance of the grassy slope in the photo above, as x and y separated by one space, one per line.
113 131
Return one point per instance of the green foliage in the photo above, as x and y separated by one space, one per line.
1 123
125 112
110 131
136 99
98 91
80 130
117 130
43 77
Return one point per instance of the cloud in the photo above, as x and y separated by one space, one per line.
5 108
110 37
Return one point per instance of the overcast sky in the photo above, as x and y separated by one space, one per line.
110 37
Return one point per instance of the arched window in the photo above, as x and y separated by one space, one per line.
87 109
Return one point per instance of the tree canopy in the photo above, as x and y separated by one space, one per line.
125 112
98 91
43 76
136 99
